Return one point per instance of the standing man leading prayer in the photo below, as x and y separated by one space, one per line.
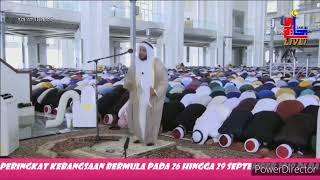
147 82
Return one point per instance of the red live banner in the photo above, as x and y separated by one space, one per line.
157 168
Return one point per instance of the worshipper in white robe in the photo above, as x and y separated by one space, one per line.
208 124
147 82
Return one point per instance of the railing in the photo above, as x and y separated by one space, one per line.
67 5
245 31
123 11
16 82
200 24
294 69
309 6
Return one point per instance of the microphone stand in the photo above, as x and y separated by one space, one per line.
125 147
95 61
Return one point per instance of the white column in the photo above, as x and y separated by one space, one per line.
318 62
174 33
37 51
159 47
204 56
256 19
210 8
68 58
2 36
77 44
223 19
284 8
202 13
94 32
115 49
211 55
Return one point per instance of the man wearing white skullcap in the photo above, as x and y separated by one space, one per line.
147 82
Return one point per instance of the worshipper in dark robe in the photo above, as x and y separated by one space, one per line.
106 103
311 110
169 113
233 127
261 130
113 116
51 101
172 109
191 88
176 96
40 103
313 143
35 94
295 134
246 104
187 118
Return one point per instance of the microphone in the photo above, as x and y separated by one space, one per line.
130 51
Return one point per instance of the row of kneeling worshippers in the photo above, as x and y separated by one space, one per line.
278 113
234 105
48 86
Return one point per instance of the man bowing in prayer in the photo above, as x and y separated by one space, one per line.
147 82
